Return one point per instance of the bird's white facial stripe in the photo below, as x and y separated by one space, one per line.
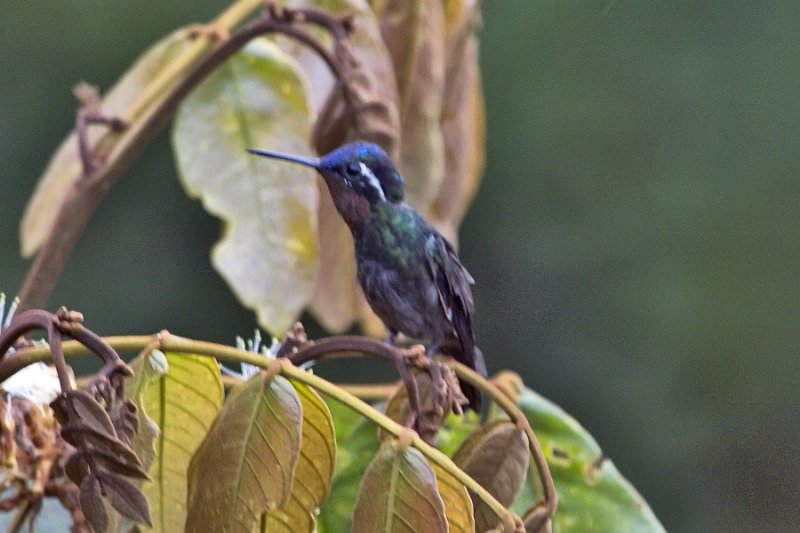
372 179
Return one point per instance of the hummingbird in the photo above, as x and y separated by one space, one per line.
410 274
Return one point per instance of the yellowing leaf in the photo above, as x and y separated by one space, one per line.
180 395
399 493
268 253
247 462
457 503
497 457
312 477
356 445
65 165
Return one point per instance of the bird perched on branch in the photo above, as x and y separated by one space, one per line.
410 275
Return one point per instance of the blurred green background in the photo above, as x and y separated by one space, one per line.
635 241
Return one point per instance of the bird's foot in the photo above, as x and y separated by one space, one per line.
214 30
391 338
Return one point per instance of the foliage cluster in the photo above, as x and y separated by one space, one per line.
158 443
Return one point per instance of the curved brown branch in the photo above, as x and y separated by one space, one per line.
357 346
97 178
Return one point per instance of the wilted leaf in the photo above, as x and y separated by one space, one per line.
414 32
246 463
76 468
268 254
65 166
89 411
125 498
592 495
126 464
356 445
180 394
457 503
497 457
314 470
125 417
399 493
92 505
462 118
78 434
373 84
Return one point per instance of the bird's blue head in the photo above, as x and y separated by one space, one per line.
358 168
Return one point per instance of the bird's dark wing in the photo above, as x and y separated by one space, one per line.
455 296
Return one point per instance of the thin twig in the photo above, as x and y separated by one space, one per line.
357 346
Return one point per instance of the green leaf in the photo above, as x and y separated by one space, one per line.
179 395
65 165
312 477
356 445
268 253
592 495
399 493
497 457
247 462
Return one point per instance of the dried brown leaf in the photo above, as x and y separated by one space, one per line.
76 468
497 457
126 498
462 118
371 79
334 302
92 505
414 33
398 493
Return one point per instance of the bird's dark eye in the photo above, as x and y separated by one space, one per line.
352 169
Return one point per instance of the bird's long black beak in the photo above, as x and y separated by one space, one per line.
312 162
